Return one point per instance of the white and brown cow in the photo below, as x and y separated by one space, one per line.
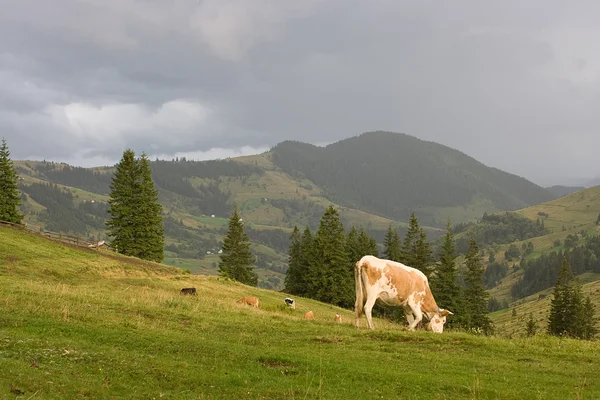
396 284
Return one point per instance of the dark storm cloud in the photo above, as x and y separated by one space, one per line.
514 84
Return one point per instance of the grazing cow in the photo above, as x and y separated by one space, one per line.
338 318
290 302
396 284
309 315
189 290
250 300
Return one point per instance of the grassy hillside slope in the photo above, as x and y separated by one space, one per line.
576 212
78 323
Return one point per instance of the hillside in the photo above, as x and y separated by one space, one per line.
407 174
277 190
571 229
76 323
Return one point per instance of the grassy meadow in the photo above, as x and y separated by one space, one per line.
76 323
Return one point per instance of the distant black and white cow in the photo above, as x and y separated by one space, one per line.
290 302
189 290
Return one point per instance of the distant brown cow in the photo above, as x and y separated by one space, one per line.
338 318
309 315
250 300
189 290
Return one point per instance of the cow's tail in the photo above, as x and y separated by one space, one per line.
360 300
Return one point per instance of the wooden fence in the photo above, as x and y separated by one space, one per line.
61 237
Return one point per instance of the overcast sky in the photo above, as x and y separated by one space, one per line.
515 84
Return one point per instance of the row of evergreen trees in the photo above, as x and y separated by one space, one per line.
321 266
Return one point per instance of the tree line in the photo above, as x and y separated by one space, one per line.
321 267
541 273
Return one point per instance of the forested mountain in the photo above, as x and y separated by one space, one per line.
391 174
376 179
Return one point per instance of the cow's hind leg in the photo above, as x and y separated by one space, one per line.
368 308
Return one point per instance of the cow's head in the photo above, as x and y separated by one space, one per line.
437 320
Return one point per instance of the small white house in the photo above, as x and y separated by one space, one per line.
220 251
212 215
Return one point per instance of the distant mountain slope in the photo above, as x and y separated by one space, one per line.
559 190
391 174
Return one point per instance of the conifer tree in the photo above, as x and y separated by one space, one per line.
294 276
307 257
352 247
407 250
444 286
136 221
423 255
367 244
588 320
122 207
148 216
329 269
10 196
391 245
475 297
236 259
531 326
561 305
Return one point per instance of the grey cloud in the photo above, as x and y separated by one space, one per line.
500 82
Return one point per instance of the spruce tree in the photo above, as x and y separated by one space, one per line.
391 245
407 250
367 244
588 319
561 305
423 255
445 290
307 257
294 276
148 215
531 327
331 276
136 222
236 259
475 297
122 207
10 196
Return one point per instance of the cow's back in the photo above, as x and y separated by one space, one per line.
396 281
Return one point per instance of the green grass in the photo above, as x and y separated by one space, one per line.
83 324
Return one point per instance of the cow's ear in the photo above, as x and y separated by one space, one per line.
443 312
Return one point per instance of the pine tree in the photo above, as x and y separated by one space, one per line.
588 319
294 276
444 287
475 297
148 216
136 221
367 244
122 207
10 196
236 259
330 273
407 250
307 257
423 255
391 245
561 305
531 326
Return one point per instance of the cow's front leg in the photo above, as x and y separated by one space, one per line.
418 316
